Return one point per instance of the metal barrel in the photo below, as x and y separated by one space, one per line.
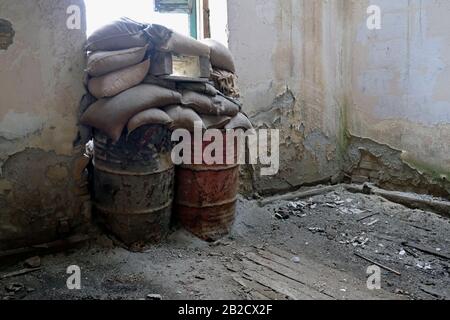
133 184
206 196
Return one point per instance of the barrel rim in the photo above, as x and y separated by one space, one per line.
134 213
205 168
130 173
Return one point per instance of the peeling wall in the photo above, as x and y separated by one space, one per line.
289 58
315 71
41 184
399 92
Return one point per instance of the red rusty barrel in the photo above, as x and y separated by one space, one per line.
133 184
206 198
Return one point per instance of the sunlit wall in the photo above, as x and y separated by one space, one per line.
100 12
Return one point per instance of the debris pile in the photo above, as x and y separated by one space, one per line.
146 74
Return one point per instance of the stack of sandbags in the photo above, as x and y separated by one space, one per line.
119 58
223 68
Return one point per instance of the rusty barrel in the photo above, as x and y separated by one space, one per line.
206 197
133 184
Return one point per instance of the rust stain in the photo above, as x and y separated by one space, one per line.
206 198
133 184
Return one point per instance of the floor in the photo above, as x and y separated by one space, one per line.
318 248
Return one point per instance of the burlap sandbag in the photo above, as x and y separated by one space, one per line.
110 115
118 35
239 122
216 106
221 57
183 118
104 62
149 79
200 87
116 82
215 122
147 117
225 82
167 40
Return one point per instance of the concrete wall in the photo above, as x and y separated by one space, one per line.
290 64
340 92
41 185
399 89
341 95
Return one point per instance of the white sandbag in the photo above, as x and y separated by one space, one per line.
104 62
116 82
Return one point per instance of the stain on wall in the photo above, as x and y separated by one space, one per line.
315 71
41 72
369 161
289 62
399 93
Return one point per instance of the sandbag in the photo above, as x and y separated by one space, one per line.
215 122
104 62
200 87
116 82
167 40
118 35
220 56
240 121
149 79
184 118
147 117
217 106
225 82
110 115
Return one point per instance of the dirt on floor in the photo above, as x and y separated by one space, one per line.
318 248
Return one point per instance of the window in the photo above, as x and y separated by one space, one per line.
174 6
101 12
197 18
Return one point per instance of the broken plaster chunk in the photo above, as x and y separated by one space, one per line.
295 260
282 215
154 297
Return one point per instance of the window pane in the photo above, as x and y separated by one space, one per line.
101 12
